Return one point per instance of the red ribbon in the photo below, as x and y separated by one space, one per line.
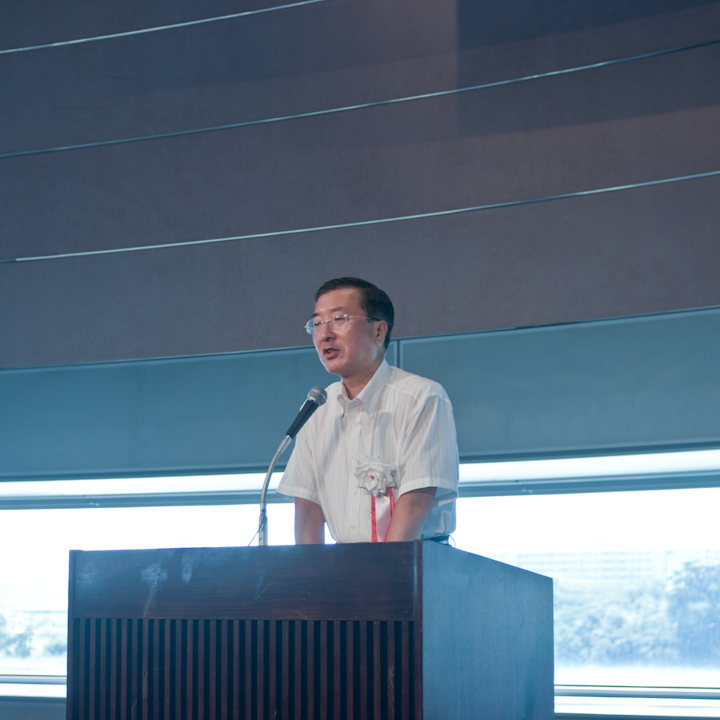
374 520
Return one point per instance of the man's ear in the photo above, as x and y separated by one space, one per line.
381 332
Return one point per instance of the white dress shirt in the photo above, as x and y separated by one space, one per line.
400 420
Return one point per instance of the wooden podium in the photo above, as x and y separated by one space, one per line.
403 631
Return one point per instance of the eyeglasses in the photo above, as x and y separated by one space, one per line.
339 322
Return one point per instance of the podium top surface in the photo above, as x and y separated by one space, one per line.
364 581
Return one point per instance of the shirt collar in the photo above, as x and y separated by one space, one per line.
370 394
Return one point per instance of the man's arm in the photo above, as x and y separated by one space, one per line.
309 523
411 511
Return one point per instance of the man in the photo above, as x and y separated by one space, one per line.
378 461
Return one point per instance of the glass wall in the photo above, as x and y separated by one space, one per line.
636 579
636 573
34 563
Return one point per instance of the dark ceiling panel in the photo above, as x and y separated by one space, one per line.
373 164
643 250
295 60
34 22
310 58
640 251
495 22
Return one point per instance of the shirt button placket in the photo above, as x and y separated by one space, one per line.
355 454
355 457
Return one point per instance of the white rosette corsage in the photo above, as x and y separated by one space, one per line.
375 476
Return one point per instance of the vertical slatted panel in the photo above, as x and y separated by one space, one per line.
272 664
363 671
144 629
178 698
337 658
405 670
82 679
285 665
133 634
201 668
155 715
225 635
377 677
298 669
152 669
211 672
190 669
114 645
310 669
350 670
391 635
248 669
167 668
103 668
236 670
416 672
123 669
261 680
323 671
92 650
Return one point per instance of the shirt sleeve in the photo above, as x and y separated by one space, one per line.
298 480
429 456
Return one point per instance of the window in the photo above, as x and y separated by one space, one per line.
637 573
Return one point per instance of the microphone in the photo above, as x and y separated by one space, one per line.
315 398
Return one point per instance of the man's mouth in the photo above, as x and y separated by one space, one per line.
330 353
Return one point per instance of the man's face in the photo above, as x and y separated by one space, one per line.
351 352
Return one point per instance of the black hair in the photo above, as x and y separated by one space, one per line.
375 302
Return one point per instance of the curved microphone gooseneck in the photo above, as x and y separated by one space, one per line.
315 398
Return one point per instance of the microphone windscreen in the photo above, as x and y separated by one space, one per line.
317 395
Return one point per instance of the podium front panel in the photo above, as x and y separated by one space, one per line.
272 632
397 631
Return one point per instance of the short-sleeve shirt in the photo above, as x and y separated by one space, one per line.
398 419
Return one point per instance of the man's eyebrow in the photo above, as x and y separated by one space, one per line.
332 310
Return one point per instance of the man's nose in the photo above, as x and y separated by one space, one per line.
321 332
327 330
